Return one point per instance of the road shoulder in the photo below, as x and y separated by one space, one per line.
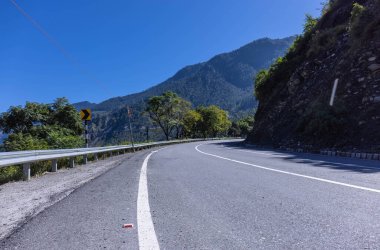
21 201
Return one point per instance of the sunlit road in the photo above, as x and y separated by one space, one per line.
216 195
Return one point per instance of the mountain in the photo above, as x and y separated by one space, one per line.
85 105
294 96
225 80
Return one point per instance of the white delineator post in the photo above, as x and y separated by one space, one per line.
26 171
334 92
72 162
54 165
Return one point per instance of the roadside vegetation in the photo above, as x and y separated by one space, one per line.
177 119
39 126
241 127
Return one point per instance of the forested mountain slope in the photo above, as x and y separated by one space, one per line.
294 94
225 81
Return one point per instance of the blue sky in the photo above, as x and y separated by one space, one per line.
118 47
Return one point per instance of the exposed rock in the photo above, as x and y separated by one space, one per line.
376 99
371 59
374 67
352 123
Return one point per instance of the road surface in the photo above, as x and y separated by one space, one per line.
216 195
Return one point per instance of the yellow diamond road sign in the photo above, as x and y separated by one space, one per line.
85 114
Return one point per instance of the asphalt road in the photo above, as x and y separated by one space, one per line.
218 195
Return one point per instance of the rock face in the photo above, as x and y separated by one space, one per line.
297 111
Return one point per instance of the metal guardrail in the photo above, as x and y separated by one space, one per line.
25 158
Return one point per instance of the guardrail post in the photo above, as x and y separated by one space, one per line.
85 159
26 171
96 157
54 165
72 162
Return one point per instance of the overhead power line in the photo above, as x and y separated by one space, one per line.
57 45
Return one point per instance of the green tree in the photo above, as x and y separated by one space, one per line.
310 23
245 125
214 121
21 120
234 130
241 127
65 115
42 126
181 108
167 111
190 123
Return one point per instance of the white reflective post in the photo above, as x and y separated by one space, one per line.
26 171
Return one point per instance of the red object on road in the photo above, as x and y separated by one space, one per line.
128 226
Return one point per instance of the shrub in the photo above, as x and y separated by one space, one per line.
355 25
310 23
324 40
260 80
20 141
11 173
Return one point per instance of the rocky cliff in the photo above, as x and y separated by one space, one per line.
295 93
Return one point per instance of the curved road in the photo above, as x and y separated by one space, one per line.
216 195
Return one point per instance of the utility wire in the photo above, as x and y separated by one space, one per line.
57 45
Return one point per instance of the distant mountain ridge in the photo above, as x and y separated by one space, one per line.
229 74
226 80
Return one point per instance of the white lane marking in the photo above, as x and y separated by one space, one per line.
260 153
290 173
147 235
279 155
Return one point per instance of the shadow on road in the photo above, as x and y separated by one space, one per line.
315 160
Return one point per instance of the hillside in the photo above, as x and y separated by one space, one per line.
294 94
225 80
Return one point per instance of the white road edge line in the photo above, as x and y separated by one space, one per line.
304 158
146 234
290 173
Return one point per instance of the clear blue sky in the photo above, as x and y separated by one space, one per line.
126 46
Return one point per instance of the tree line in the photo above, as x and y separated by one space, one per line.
176 117
58 125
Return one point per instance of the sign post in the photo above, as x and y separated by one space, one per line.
85 115
130 126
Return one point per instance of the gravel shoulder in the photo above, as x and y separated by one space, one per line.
21 200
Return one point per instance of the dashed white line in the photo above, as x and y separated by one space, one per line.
147 235
290 173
